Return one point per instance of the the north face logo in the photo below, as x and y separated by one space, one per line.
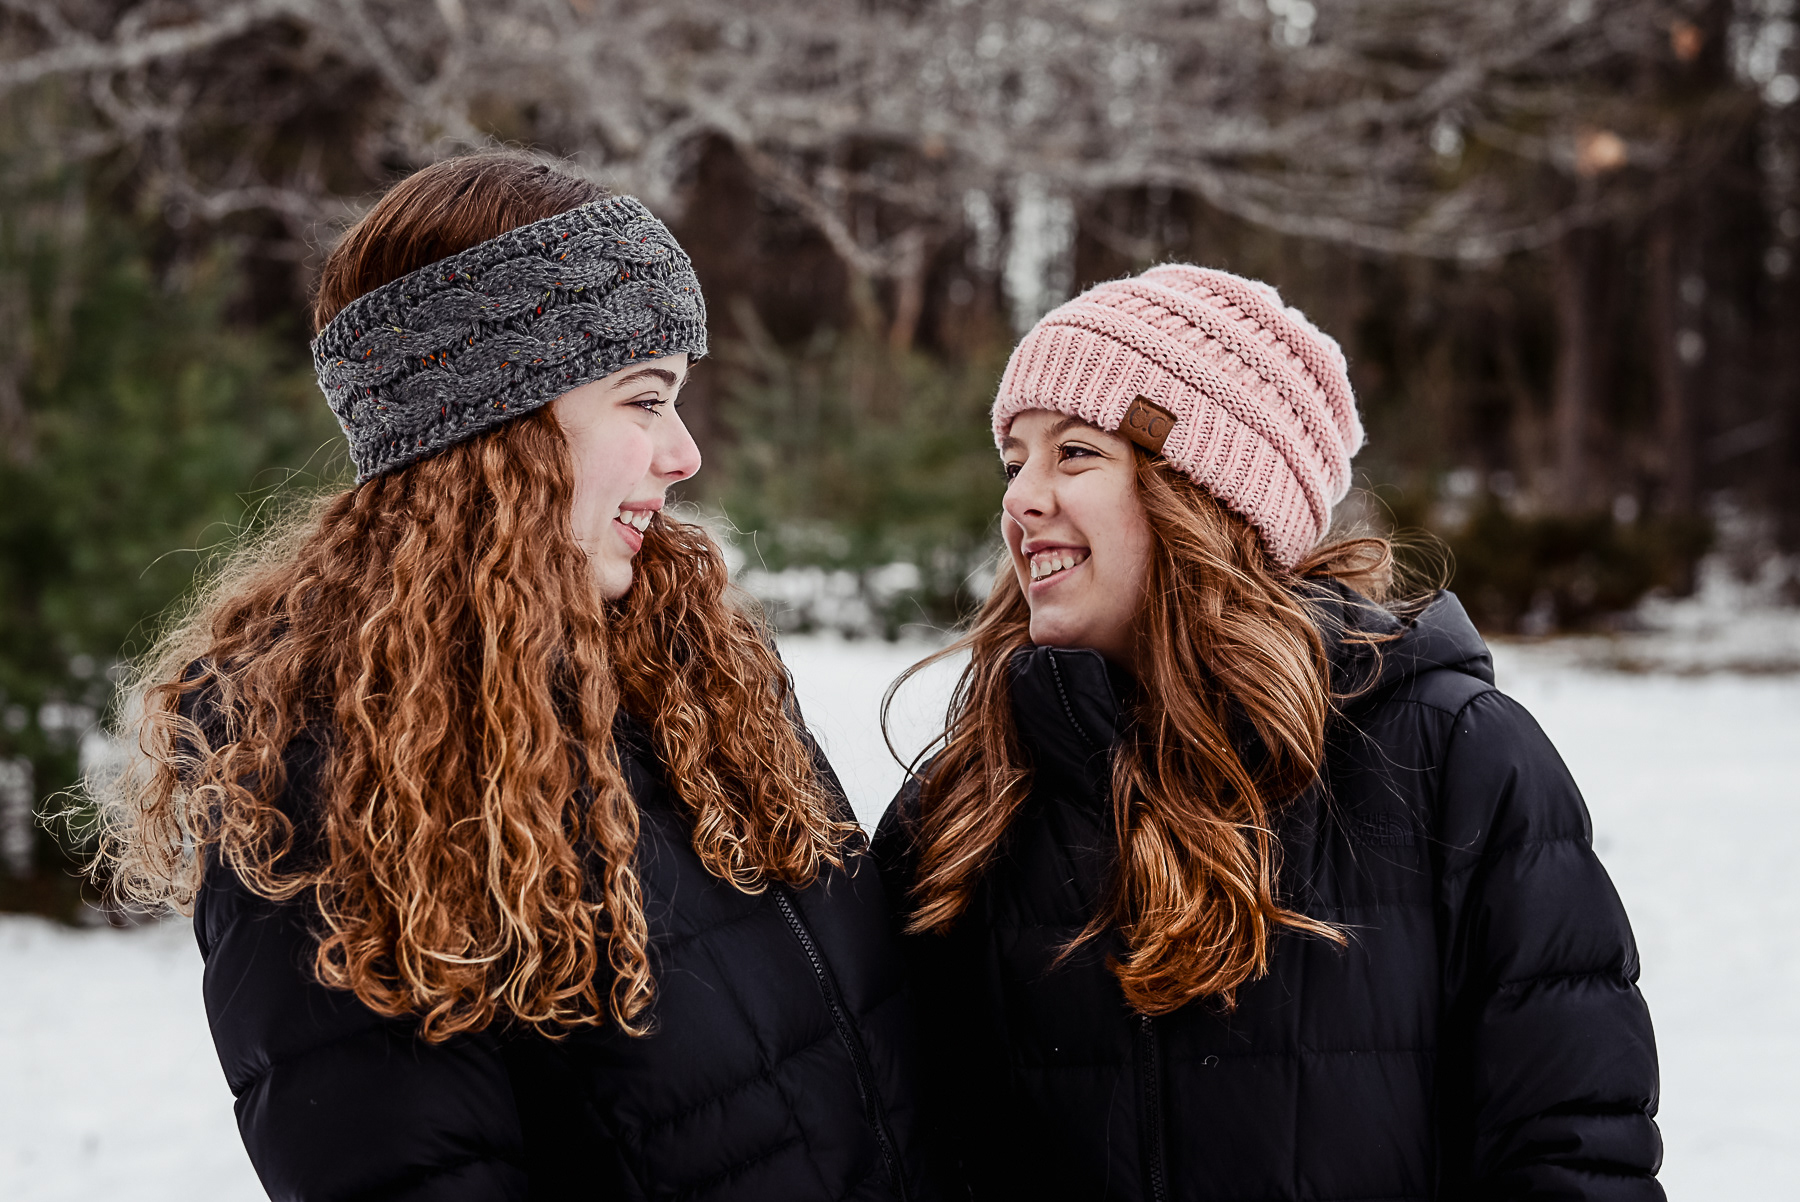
1385 830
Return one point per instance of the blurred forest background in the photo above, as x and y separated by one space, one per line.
1557 239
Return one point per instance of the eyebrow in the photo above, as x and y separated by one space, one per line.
659 373
1057 431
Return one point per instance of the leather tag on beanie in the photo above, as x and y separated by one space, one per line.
1147 424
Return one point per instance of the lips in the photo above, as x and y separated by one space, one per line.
631 524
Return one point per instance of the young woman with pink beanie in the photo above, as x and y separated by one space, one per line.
1231 877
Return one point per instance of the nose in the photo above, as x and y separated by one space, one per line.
677 455
1030 494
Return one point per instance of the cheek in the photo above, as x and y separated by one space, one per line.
1134 543
1120 536
608 466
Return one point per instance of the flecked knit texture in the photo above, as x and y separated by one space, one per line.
1266 421
505 327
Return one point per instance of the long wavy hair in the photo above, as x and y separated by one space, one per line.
1226 645
436 640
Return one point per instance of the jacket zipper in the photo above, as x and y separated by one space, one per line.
1150 1117
859 1057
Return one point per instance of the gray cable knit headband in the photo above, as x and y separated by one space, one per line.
503 328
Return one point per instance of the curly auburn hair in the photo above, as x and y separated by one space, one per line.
470 853
1225 636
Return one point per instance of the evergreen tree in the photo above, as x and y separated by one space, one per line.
141 414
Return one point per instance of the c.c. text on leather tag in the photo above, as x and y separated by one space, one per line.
1147 424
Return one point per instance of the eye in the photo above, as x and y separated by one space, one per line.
1074 450
1012 470
649 403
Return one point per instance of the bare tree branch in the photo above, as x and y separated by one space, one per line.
73 53
1353 122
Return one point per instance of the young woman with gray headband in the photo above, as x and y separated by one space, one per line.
515 873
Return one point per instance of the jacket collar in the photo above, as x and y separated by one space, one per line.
1069 705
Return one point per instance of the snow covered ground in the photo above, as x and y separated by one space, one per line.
109 1087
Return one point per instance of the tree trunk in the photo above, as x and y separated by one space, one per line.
1675 433
909 289
1578 333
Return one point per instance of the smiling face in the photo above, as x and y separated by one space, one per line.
627 445
1076 530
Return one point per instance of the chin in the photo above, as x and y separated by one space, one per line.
1074 631
614 581
1053 633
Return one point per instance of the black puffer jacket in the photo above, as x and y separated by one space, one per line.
778 1069
1480 1037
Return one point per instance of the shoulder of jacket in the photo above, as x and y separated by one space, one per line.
1461 712
1505 789
1444 689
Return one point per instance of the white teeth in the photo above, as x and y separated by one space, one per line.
637 519
1049 565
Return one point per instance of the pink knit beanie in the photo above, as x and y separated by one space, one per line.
1264 418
